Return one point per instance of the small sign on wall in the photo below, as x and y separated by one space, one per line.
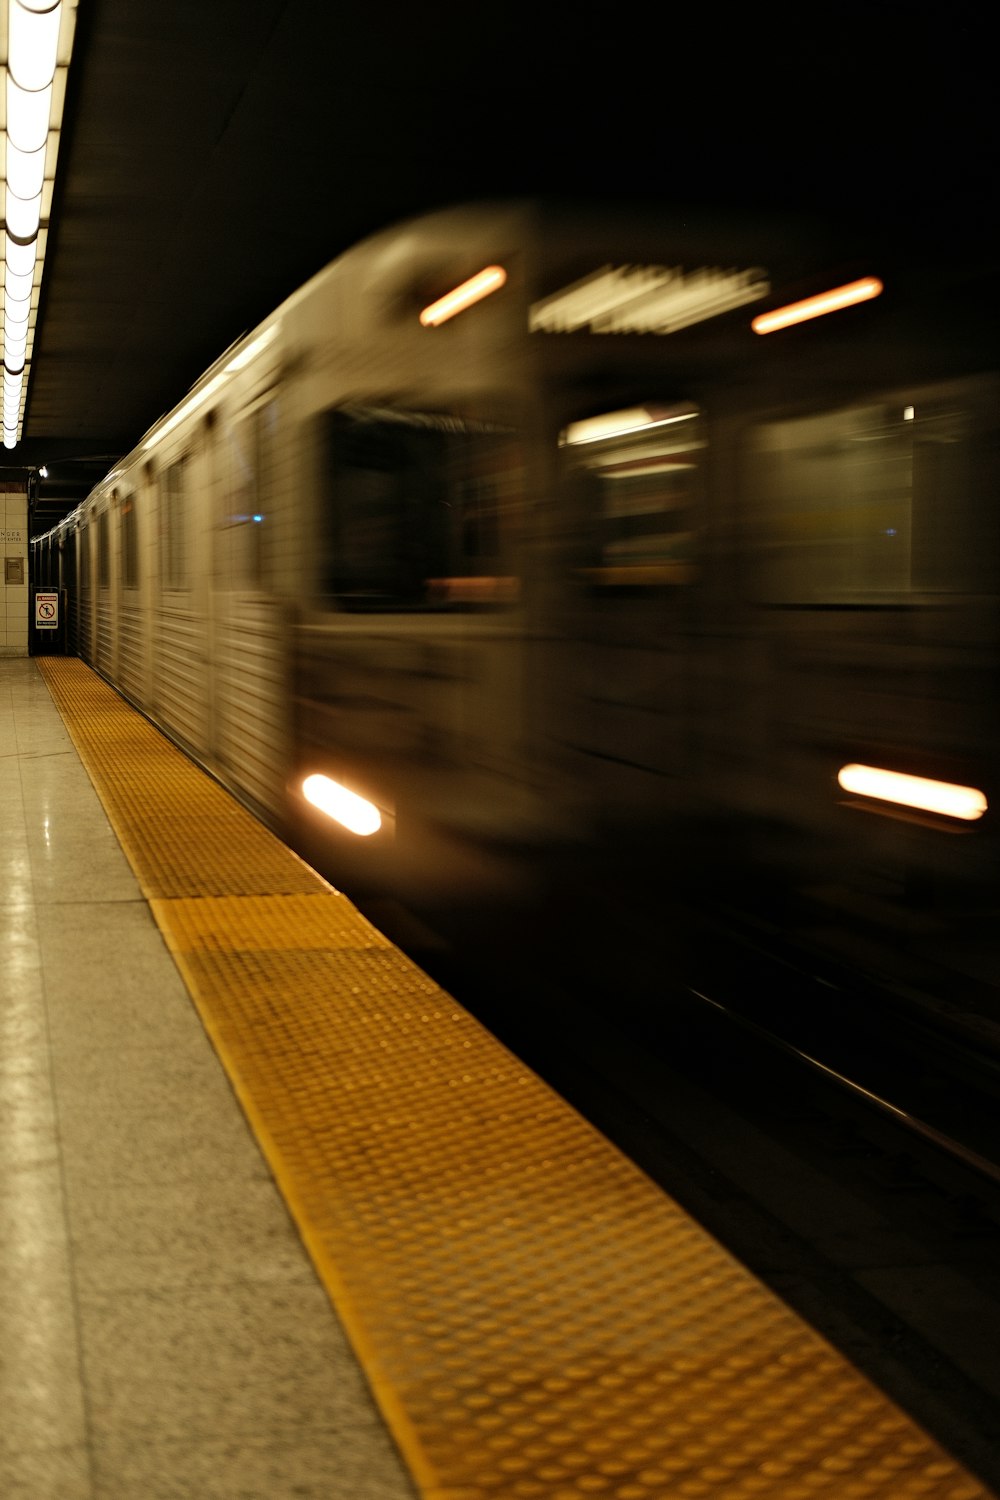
11 536
13 570
46 611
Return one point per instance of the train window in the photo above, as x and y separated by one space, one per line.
85 558
103 551
130 544
174 527
422 511
67 560
876 499
633 481
265 441
245 532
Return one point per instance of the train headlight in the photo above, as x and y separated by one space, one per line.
355 813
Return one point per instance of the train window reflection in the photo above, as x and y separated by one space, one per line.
103 551
633 481
874 499
244 539
174 528
130 545
422 511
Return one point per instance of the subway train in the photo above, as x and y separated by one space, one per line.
534 554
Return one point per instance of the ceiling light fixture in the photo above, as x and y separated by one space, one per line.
36 42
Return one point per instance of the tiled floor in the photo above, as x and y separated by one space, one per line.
162 1332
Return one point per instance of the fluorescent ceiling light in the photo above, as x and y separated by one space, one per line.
23 216
21 258
39 37
25 171
33 43
18 286
28 115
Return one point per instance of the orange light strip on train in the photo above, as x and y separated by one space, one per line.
460 297
815 307
354 813
914 791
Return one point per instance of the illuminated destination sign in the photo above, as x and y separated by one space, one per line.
645 299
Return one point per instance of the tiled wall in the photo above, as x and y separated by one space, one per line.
13 543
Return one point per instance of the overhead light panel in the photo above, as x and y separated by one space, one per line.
25 171
36 42
33 43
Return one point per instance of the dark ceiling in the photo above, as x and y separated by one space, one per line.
216 153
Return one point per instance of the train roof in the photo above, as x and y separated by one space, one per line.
561 237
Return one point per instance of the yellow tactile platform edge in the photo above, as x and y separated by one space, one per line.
537 1320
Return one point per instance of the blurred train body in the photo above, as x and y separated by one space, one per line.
589 581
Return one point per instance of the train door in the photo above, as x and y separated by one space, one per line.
248 656
69 579
85 589
620 668
132 603
180 687
146 595
411 687
105 602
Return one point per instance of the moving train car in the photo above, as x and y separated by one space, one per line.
526 546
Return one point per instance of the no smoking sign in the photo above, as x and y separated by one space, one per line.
46 611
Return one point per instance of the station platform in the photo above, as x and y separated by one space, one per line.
318 1233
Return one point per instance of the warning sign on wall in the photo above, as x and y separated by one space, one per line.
46 611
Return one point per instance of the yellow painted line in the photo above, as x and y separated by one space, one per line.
537 1320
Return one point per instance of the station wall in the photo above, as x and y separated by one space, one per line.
14 578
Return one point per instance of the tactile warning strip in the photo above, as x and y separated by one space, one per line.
537 1320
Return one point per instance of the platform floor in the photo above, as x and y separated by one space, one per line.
162 1329
535 1319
